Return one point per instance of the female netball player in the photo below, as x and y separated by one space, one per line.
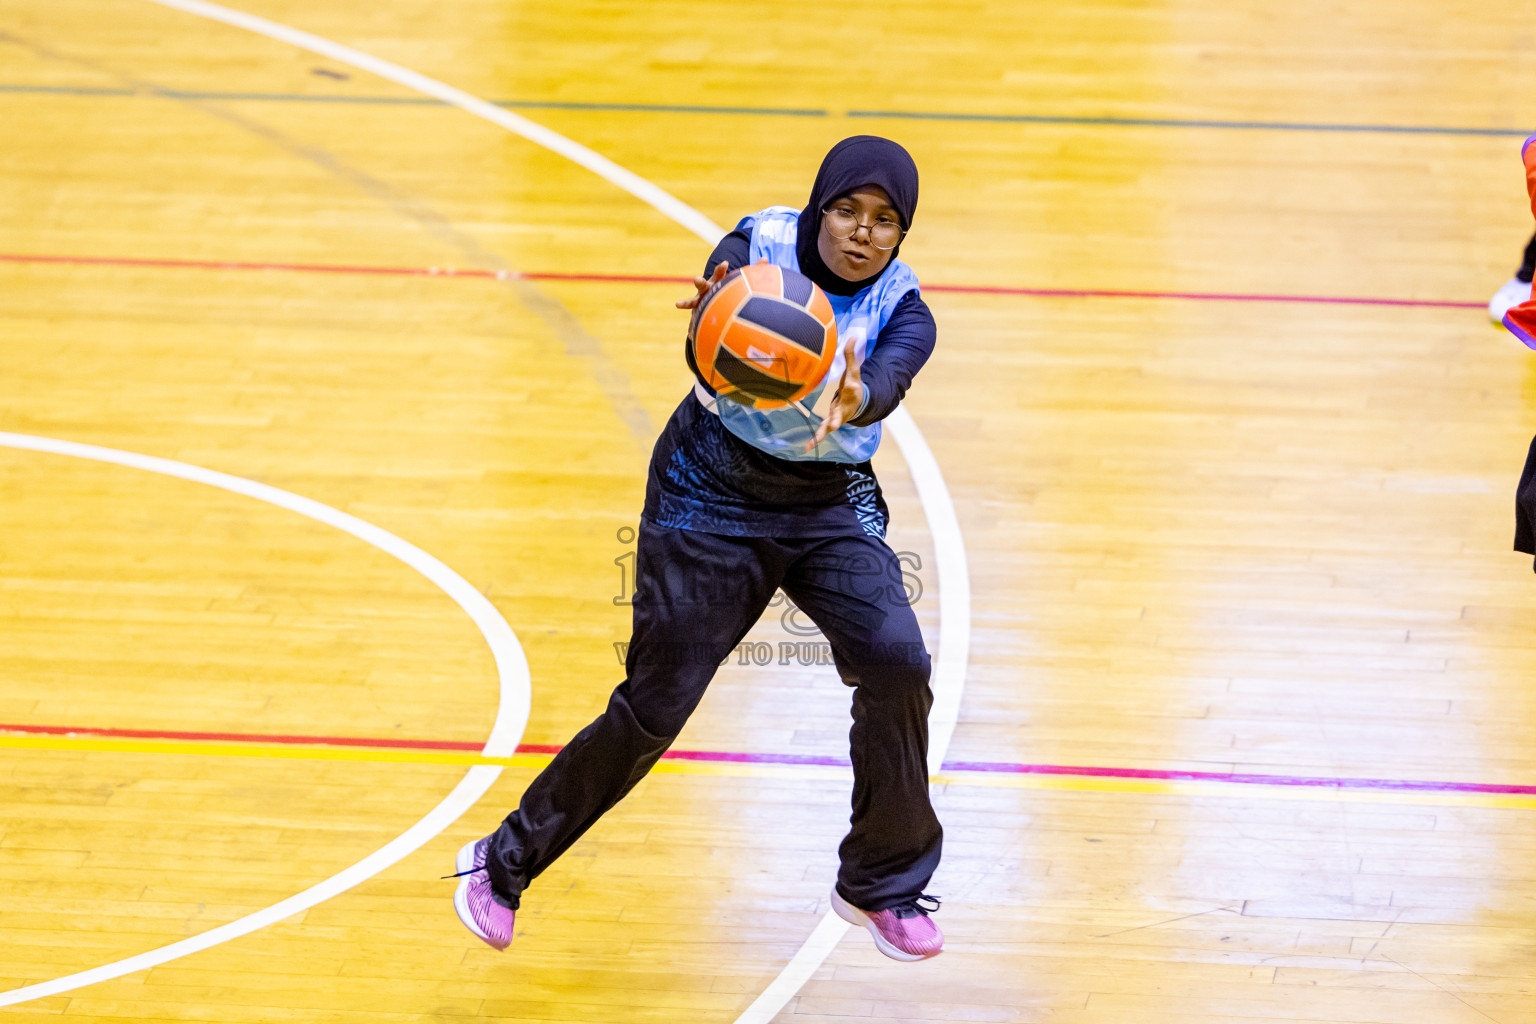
740 503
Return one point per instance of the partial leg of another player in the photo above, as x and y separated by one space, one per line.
1517 289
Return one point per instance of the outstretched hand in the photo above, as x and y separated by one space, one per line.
703 285
845 400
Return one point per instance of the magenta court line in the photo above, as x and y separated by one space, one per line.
726 757
512 275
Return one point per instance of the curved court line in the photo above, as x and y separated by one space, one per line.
574 151
511 712
938 507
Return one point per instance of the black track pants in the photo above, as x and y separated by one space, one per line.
696 595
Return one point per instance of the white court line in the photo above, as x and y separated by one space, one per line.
948 685
938 507
511 712
574 151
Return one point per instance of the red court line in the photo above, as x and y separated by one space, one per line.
724 757
302 268
1243 778
1108 293
332 268
508 275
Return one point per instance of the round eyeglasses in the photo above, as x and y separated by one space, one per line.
841 224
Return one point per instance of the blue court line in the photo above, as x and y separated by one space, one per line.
691 108
1169 122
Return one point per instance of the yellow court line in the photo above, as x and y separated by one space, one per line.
737 769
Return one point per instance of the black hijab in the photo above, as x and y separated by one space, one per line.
852 163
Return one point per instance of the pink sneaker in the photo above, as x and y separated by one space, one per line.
476 903
902 932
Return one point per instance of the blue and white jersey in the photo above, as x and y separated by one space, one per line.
860 317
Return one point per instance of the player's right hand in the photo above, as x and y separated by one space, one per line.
704 284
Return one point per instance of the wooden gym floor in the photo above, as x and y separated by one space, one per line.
1245 727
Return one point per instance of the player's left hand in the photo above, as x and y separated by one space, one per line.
846 400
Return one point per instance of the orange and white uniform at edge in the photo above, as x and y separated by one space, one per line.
1521 320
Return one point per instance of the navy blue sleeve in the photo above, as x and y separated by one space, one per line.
735 249
902 348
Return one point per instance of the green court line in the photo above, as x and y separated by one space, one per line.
1169 122
696 108
405 101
